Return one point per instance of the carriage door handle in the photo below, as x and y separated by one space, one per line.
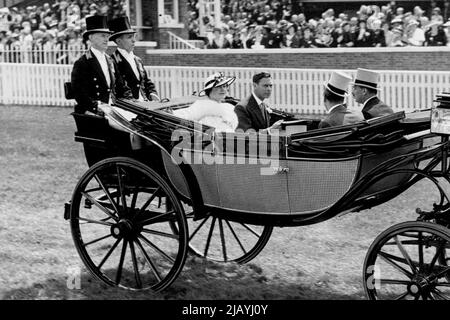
278 170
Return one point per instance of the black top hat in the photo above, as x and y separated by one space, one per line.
95 24
119 26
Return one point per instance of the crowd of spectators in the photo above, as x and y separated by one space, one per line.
52 25
281 24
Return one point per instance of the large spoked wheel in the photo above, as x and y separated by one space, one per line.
409 261
221 240
122 214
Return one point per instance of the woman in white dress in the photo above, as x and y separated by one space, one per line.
211 110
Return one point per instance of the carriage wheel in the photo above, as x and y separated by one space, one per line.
221 240
409 261
122 214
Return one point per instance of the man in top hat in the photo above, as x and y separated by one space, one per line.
94 76
130 67
365 89
333 97
252 112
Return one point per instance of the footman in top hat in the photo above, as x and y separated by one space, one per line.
130 66
365 89
334 100
94 76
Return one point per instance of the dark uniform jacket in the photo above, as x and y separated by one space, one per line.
375 108
143 84
89 83
340 116
250 115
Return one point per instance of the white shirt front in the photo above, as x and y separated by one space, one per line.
101 57
129 56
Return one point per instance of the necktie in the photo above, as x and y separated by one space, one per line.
263 111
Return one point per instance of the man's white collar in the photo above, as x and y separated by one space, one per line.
125 53
365 102
334 107
258 100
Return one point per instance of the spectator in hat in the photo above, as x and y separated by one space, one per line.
334 96
308 40
415 35
365 90
95 79
364 36
291 39
273 37
347 39
436 15
397 38
130 66
211 109
379 38
435 35
218 41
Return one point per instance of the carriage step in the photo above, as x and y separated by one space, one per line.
67 210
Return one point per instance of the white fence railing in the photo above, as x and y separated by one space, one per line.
55 54
295 90
175 42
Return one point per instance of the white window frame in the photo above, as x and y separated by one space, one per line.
175 23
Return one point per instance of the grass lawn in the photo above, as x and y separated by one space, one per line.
39 167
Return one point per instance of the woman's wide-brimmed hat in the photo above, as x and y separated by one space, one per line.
120 26
217 80
366 78
96 24
338 83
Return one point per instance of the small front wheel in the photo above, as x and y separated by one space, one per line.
409 261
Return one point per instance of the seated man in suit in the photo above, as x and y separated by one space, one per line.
130 66
94 77
253 112
334 95
365 88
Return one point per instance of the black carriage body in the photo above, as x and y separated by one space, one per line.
278 180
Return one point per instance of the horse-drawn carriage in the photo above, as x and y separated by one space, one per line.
137 212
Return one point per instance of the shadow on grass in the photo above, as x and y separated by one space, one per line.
199 279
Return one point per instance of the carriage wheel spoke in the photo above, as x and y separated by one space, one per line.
109 253
251 230
443 284
387 257
405 254
440 273
157 249
98 205
150 262
162 234
108 195
440 294
236 237
134 199
149 220
135 266
208 240
147 203
420 246
121 189
109 224
222 238
402 296
198 228
96 240
438 252
122 258
393 281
